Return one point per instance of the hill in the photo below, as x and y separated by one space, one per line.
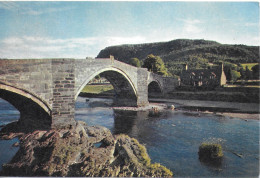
195 53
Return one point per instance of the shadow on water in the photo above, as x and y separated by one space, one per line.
124 121
212 163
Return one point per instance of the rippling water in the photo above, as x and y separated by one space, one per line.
7 114
172 138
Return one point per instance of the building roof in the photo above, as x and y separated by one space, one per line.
215 71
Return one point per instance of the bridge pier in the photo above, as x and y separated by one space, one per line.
63 102
142 87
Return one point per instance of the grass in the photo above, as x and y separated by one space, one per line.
242 86
249 65
97 89
146 160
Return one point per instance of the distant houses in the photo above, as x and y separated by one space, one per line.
205 78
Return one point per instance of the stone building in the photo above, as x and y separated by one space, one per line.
207 78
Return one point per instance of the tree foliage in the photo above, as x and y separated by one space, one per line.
235 75
255 71
134 62
155 64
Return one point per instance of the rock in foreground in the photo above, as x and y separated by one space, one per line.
81 151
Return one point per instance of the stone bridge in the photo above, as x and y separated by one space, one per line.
45 90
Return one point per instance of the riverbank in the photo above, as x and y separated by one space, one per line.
150 106
222 94
221 108
230 109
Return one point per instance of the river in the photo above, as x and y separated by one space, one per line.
172 138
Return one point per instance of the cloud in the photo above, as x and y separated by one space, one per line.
8 5
248 24
33 9
44 47
192 26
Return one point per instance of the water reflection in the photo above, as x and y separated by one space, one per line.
172 138
7 114
124 122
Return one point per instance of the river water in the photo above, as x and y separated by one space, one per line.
172 138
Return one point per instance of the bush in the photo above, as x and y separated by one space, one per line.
235 75
210 151
134 62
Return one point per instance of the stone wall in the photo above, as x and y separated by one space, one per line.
31 75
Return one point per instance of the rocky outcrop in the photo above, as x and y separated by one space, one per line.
81 151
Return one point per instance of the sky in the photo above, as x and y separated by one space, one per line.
49 29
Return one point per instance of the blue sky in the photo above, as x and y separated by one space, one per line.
80 29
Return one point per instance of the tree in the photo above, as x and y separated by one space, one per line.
248 74
134 62
255 71
234 75
155 64
97 77
227 71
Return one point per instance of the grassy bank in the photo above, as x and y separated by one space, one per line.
98 89
227 96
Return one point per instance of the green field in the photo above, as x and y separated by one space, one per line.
97 89
249 65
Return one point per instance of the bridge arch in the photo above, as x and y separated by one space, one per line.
155 89
126 92
34 113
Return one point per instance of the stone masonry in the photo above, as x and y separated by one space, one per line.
51 86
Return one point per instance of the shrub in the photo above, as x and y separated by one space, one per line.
210 151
